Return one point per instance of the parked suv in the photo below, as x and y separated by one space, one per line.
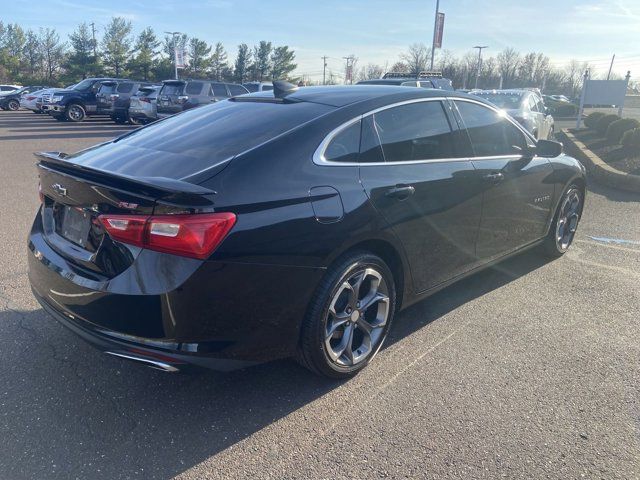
423 79
525 106
114 96
179 95
11 101
258 86
143 104
76 103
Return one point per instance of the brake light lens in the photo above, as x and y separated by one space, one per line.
183 98
114 96
144 99
195 236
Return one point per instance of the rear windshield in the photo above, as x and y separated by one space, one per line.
125 87
197 139
508 101
172 89
146 91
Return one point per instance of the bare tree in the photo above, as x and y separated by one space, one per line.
416 58
508 64
370 71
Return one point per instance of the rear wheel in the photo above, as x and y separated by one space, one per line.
349 317
565 223
75 113
13 105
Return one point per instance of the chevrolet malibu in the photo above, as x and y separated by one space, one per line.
293 223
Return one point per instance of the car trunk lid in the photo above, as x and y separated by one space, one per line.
170 98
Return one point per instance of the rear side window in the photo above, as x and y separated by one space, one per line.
219 90
267 88
426 84
125 87
491 134
172 89
194 88
236 89
108 87
344 147
417 131
252 87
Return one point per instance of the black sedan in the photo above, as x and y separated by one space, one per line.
293 223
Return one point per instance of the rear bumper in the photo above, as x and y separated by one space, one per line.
168 356
142 114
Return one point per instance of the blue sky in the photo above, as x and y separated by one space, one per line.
373 30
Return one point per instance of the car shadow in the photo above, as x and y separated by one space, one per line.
70 411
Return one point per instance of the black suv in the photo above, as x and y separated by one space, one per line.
423 79
114 98
76 103
178 95
11 101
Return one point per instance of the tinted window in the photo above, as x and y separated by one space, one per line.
425 84
236 90
172 89
409 84
532 103
344 147
182 145
193 88
370 148
417 131
267 88
252 87
491 134
108 87
125 87
219 90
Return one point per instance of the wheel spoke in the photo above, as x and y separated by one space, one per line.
339 321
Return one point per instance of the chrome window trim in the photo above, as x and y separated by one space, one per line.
319 159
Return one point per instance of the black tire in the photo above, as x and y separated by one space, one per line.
135 121
313 352
119 120
13 105
75 113
558 241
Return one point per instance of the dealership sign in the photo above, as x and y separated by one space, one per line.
437 43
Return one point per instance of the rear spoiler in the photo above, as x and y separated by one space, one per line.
159 188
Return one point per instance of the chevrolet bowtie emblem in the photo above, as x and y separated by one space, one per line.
59 189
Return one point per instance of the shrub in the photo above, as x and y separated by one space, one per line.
592 119
604 122
619 127
631 139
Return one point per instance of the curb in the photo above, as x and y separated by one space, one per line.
601 171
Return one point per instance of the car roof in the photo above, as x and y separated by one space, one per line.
508 91
343 95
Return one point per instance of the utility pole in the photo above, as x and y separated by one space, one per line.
93 35
480 48
435 27
611 66
324 69
175 50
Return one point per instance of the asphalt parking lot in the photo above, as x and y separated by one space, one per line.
528 370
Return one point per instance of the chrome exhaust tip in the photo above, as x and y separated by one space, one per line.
155 364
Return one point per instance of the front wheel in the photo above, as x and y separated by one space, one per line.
349 317
565 223
13 105
75 113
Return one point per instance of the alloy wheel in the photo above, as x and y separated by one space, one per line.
13 105
356 318
76 113
568 217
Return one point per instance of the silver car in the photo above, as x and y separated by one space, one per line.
525 106
143 106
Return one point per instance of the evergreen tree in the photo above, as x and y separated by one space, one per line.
145 59
116 45
282 62
241 67
81 60
52 52
198 57
261 60
219 64
33 54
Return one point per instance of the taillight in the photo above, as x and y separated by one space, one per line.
114 96
30 98
144 99
195 236
183 98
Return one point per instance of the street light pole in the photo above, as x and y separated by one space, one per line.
480 48
175 50
435 27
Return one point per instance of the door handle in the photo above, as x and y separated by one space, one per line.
400 192
494 177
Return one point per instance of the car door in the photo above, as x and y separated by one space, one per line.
426 190
518 187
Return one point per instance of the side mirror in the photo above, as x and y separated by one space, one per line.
548 148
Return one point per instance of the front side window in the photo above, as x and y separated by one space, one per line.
345 146
491 133
417 131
